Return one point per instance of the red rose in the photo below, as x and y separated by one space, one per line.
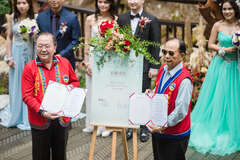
197 74
106 25
125 50
127 43
142 22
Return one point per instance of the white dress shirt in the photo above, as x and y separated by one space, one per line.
134 22
183 97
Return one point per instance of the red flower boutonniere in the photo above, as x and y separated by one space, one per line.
143 22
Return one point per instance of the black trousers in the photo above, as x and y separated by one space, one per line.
146 82
169 148
51 141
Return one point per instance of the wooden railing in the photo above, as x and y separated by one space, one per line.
167 28
185 1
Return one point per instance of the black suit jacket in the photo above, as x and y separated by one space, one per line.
151 32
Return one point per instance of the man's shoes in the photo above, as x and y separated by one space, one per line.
129 133
144 136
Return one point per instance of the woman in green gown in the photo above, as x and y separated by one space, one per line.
215 119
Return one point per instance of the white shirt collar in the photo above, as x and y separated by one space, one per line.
174 70
140 13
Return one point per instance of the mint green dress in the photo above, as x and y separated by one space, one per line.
215 120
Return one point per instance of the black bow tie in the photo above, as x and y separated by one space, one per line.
135 16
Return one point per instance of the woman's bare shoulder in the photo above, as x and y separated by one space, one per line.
91 18
219 23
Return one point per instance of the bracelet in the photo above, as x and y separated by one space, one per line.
7 58
221 51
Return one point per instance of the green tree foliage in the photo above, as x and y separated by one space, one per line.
4 7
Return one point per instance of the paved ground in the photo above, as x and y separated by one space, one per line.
16 145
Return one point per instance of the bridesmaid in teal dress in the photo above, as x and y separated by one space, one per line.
216 116
19 53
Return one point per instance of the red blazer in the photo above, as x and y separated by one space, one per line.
33 87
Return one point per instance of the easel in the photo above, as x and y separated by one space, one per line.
116 129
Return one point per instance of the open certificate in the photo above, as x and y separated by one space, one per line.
146 109
63 99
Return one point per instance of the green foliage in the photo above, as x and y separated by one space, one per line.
119 41
82 80
4 7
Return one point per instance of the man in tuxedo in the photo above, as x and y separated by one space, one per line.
64 25
150 32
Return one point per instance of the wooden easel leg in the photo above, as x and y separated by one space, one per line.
94 135
135 151
114 138
124 139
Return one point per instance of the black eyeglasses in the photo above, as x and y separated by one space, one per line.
171 53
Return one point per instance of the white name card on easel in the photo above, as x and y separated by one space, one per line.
145 109
63 99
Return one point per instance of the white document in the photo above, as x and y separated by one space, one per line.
159 109
62 99
140 111
145 109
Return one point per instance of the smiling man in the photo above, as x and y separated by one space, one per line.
150 32
64 25
170 143
49 131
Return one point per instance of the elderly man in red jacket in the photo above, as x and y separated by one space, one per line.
49 131
170 143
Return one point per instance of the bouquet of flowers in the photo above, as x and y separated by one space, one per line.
28 29
118 41
236 39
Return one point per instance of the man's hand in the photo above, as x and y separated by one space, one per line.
153 128
152 73
148 91
51 116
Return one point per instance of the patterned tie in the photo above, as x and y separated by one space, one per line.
54 24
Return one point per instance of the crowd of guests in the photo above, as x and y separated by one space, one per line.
214 125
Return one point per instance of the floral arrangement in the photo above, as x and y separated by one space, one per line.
28 29
236 39
118 41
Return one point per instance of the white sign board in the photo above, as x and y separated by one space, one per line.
112 85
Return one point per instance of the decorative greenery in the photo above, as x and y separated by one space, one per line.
4 7
115 40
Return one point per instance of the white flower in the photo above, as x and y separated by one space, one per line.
28 28
63 27
236 39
